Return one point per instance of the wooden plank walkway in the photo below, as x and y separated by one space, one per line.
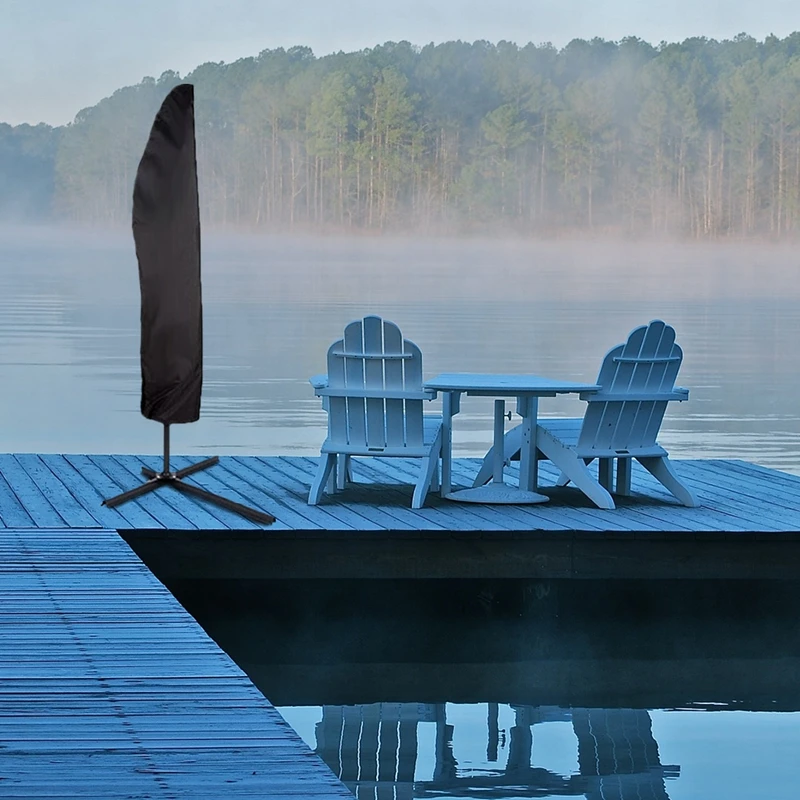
109 689
67 491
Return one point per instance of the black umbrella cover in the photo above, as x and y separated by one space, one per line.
166 230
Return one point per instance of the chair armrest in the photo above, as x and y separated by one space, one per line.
318 381
677 393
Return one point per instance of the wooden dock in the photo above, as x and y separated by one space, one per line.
109 689
66 491
748 525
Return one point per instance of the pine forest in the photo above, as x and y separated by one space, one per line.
698 139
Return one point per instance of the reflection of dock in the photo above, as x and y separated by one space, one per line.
586 644
737 684
373 749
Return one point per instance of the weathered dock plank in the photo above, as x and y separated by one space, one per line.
109 689
57 493
33 497
42 490
79 475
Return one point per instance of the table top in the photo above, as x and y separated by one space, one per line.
488 384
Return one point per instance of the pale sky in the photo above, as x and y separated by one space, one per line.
59 56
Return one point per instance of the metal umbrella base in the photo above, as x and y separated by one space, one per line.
175 480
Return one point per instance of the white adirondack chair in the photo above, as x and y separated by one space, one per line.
374 398
621 422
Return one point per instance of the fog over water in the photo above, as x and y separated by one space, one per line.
69 333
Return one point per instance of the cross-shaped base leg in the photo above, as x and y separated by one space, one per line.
175 480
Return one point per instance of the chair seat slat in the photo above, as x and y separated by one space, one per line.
372 356
386 394
646 359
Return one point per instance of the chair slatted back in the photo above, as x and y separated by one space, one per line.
374 356
647 364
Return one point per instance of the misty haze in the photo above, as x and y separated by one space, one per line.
696 139
70 333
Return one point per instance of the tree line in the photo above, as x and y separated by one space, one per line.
699 138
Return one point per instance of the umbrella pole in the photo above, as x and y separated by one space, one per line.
166 449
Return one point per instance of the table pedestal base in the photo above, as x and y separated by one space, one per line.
497 493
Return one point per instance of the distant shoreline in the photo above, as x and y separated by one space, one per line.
698 139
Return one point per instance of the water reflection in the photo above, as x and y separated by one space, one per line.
375 750
516 689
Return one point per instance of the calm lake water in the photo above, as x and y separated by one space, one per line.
619 690
69 334
459 690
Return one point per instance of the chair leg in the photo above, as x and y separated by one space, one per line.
574 468
512 442
324 470
430 466
344 472
332 484
605 473
563 478
624 476
663 471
